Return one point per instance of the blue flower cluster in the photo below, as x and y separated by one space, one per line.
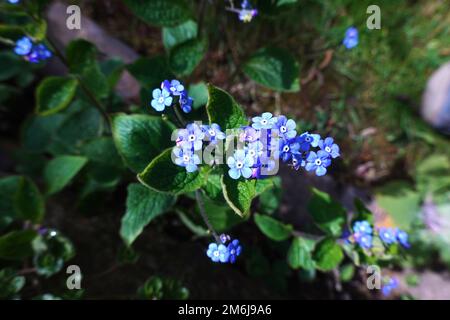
32 52
246 12
171 90
223 252
389 285
270 139
351 38
190 140
363 235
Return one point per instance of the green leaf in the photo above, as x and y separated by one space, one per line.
140 138
61 170
223 110
270 197
347 271
328 254
10 283
199 92
328 214
173 36
361 212
29 202
150 72
300 253
160 12
186 56
274 68
273 228
143 205
37 29
164 176
238 194
213 187
54 94
16 245
221 217
8 190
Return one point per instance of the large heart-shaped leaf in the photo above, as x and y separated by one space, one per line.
173 36
186 56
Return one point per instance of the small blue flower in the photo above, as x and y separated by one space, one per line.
362 227
364 240
240 165
191 137
186 102
318 162
387 235
174 87
23 46
286 128
329 147
234 250
249 134
266 121
218 253
402 238
312 139
185 157
161 99
298 161
390 284
213 133
13 1
287 149
351 38
224 238
246 13
38 53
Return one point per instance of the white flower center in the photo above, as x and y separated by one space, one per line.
318 162
283 129
216 253
212 133
191 137
186 158
239 164
286 148
161 99
263 121
327 149
252 153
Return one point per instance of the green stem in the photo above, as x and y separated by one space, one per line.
8 42
201 207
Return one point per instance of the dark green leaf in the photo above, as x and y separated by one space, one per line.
238 194
61 170
29 202
150 72
273 228
160 12
173 36
54 94
328 255
10 283
16 245
185 57
8 190
221 217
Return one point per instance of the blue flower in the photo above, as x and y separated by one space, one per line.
329 147
23 46
218 253
174 87
311 139
161 99
249 134
402 237
185 102
255 150
240 165
318 162
387 235
390 284
286 128
247 13
298 161
185 157
224 238
287 149
351 38
362 227
13 1
191 137
213 133
38 53
234 250
364 240
266 121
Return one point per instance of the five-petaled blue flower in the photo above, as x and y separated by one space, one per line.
402 238
38 54
288 148
213 133
185 157
364 240
265 121
286 128
362 227
234 250
23 46
161 99
240 165
311 139
387 235
318 162
329 147
351 38
185 102
218 253
174 87
191 137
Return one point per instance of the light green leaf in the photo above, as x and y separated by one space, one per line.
238 194
140 138
328 255
273 228
54 94
143 205
16 245
173 36
186 56
160 12
300 253
61 170
223 110
328 214
274 68
164 176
